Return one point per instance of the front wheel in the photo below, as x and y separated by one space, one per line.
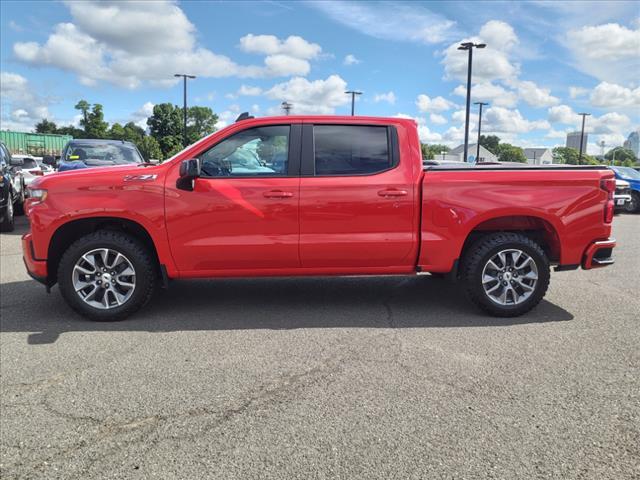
633 205
106 275
506 274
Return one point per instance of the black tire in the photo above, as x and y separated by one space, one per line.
479 254
140 258
8 224
634 205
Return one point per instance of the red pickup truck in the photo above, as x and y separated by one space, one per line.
314 195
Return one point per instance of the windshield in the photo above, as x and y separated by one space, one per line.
29 163
627 172
102 154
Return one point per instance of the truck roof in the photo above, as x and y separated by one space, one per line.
325 118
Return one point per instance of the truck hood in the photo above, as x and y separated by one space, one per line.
104 176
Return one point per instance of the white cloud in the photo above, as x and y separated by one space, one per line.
139 117
609 123
21 107
489 63
424 133
388 97
390 20
609 52
563 114
350 60
575 92
128 43
436 104
247 90
503 120
314 97
437 119
610 95
489 92
534 95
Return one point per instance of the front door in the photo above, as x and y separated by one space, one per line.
243 211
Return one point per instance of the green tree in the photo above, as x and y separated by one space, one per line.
84 107
71 130
429 152
201 121
149 148
133 133
165 125
623 156
510 153
45 126
95 126
566 155
116 132
490 142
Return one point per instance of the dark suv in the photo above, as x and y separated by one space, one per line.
11 189
87 153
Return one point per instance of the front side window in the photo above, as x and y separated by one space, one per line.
255 152
351 149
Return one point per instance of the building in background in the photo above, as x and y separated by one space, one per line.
539 156
573 141
633 143
485 155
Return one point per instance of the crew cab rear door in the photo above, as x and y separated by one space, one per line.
242 214
357 200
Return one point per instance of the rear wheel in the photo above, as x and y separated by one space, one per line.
8 224
106 276
19 206
506 274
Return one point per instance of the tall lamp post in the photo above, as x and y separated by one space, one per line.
469 47
584 115
353 94
480 104
184 78
286 106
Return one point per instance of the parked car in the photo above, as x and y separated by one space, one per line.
12 189
31 168
632 176
622 195
334 196
83 153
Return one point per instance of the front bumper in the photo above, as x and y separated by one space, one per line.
36 267
599 254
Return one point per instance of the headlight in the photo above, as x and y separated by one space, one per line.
37 195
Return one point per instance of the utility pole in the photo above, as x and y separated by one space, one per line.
286 106
184 78
469 47
480 104
584 115
353 94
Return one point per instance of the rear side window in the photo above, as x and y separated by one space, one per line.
351 149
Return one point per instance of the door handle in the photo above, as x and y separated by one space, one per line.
277 194
392 192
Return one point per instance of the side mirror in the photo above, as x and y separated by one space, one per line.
16 162
49 160
189 171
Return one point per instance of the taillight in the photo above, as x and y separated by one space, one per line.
609 186
37 173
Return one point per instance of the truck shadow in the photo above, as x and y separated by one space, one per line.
278 304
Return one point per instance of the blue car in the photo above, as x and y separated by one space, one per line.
85 153
629 174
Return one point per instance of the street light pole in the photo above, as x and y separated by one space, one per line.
443 152
469 47
184 78
584 115
353 94
480 104
286 106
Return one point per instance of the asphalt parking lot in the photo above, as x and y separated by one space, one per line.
325 378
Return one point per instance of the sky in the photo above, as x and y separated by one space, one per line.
544 62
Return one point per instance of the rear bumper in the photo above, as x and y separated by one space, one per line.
36 267
599 254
